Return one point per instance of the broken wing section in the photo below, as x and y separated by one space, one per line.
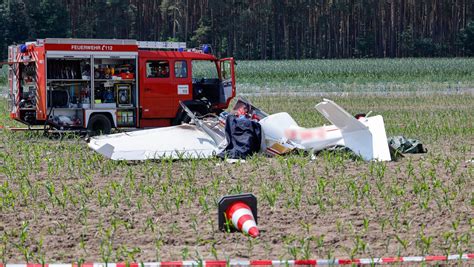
177 142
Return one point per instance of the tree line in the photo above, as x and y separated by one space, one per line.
256 29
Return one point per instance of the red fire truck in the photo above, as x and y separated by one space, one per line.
97 85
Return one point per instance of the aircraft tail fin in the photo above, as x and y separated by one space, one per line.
367 139
339 117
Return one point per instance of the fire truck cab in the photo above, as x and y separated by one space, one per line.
97 85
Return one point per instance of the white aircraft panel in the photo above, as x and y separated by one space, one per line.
183 141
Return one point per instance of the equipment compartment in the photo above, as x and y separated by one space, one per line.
114 82
68 83
28 86
66 118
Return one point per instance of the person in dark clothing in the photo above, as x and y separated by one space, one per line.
243 135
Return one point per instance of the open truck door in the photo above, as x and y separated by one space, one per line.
227 77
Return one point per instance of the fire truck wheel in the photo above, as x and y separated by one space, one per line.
99 124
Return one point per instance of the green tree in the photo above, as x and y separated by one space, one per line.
53 20
101 12
132 15
202 35
16 22
407 44
171 12
467 38
3 24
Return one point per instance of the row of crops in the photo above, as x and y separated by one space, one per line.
407 74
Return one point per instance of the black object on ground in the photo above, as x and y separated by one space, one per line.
405 145
243 137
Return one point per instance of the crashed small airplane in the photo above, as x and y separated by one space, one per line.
206 137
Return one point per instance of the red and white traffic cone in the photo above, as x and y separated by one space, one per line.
241 210
242 218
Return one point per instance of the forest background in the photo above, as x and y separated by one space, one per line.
256 29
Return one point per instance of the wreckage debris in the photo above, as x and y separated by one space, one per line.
279 135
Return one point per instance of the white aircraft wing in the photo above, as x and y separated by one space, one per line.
176 142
